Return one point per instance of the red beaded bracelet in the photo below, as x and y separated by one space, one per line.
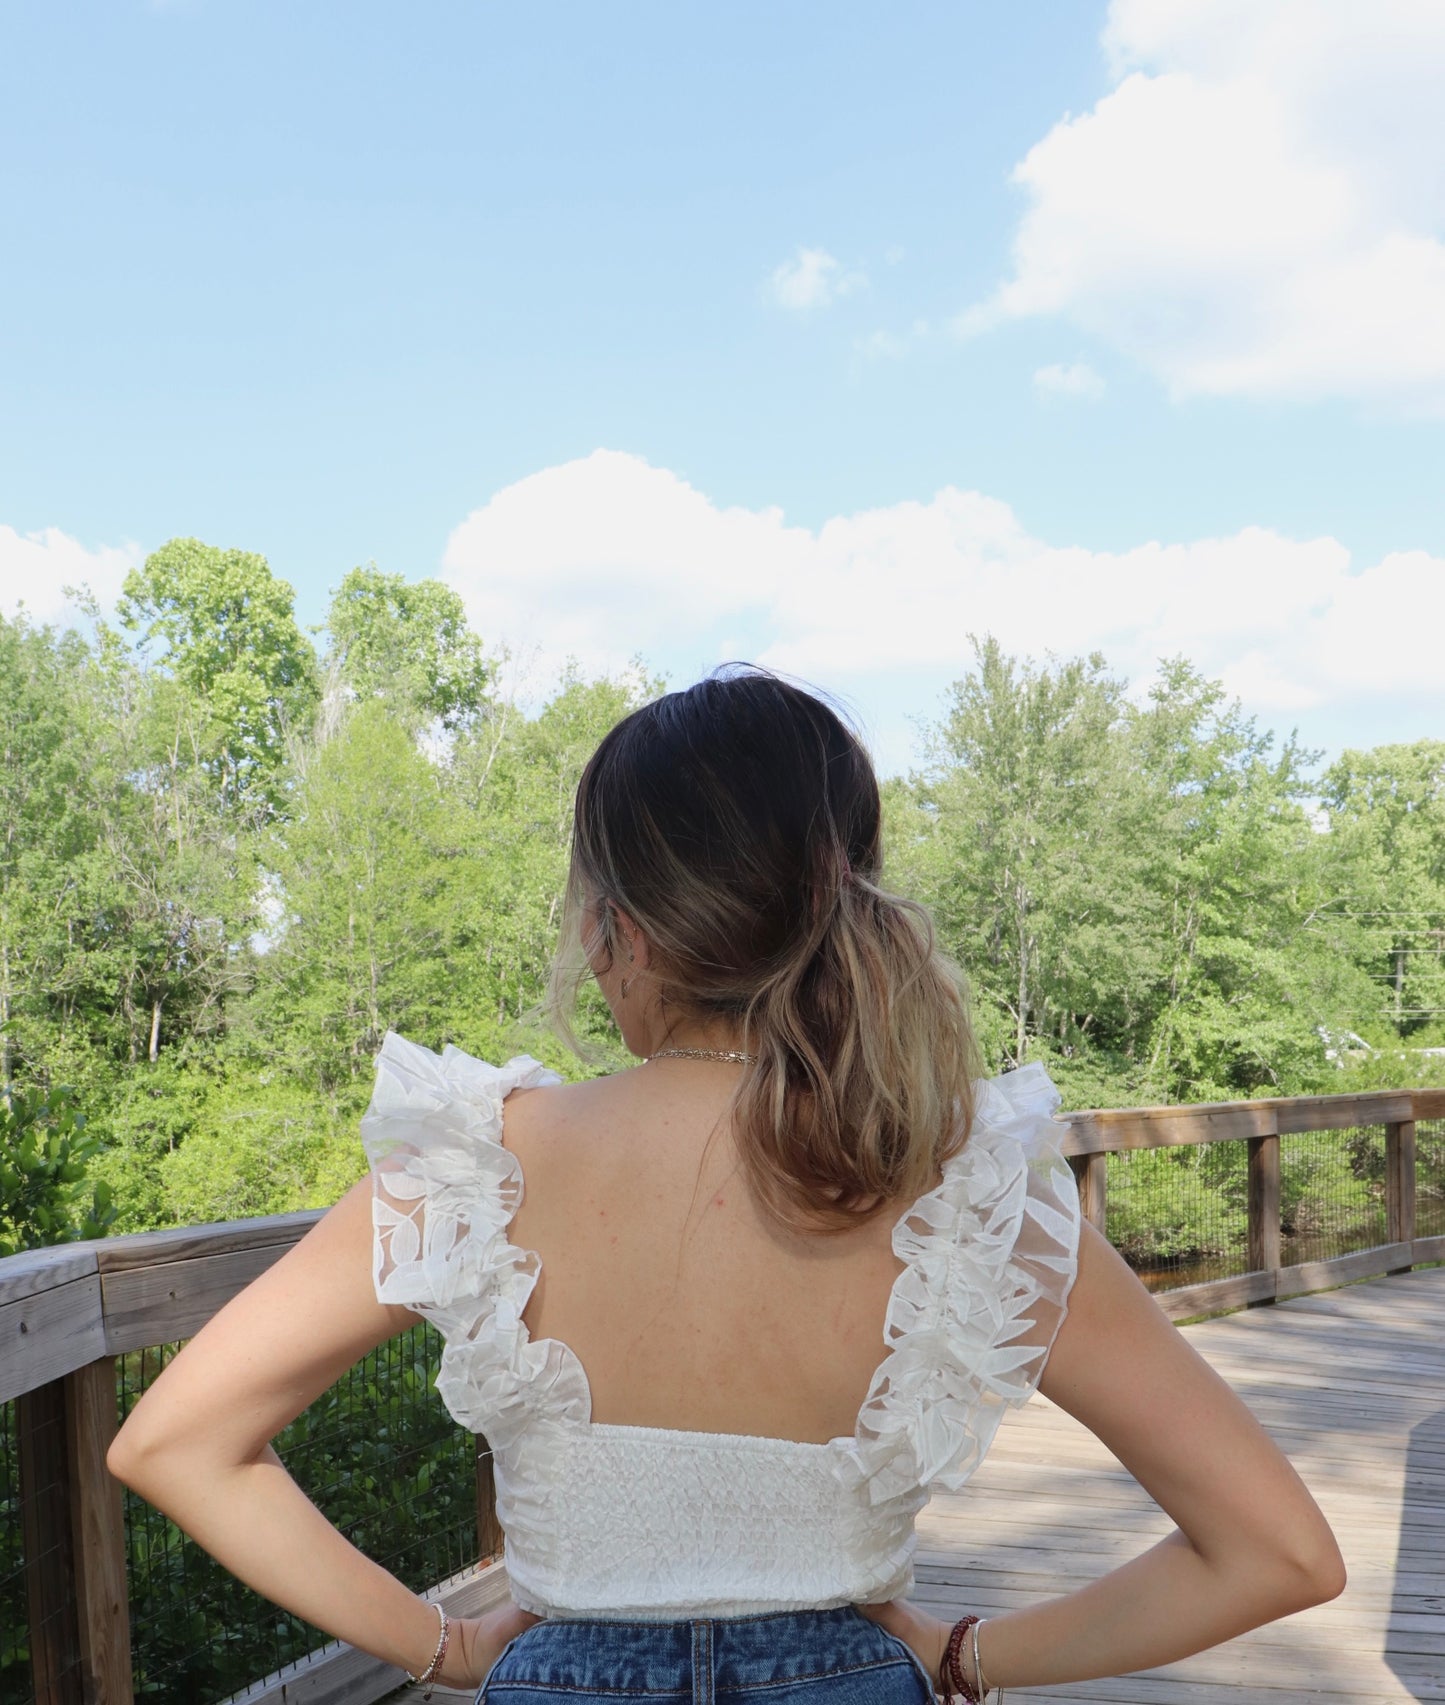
950 1672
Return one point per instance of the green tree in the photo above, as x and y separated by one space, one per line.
1023 849
1137 892
44 830
1387 810
231 641
1250 944
364 867
511 783
408 642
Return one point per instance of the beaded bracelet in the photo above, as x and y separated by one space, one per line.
429 1673
954 1683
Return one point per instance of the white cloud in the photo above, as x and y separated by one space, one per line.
1078 380
35 568
608 557
812 279
885 345
1257 208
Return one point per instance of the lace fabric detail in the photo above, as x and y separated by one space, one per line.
443 1194
990 1255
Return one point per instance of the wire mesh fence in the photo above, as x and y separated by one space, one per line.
16 1687
383 1461
1331 1193
1180 1215
1430 1178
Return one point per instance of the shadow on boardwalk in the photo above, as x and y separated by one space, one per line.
1350 1384
1415 1636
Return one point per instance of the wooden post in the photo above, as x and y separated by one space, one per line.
1091 1175
1264 1250
97 1511
45 1490
1400 1185
489 1531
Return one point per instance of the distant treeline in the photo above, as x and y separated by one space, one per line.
231 858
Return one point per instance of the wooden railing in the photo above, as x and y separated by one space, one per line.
67 1312
1095 1135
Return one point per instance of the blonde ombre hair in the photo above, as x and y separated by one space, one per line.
739 824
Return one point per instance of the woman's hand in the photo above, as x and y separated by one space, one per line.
477 1641
923 1634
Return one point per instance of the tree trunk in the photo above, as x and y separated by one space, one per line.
155 1046
1399 985
1021 1038
4 1012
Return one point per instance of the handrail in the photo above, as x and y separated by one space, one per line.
66 1312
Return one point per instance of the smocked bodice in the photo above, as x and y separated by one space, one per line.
654 1522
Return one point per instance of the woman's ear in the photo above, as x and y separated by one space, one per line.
633 943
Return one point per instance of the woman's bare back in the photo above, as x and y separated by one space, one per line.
686 1306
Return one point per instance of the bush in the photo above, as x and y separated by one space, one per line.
46 1193
1178 1204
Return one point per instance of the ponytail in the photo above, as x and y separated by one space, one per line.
862 1085
739 824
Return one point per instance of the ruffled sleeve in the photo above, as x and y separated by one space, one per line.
444 1190
991 1256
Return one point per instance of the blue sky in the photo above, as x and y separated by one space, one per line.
328 281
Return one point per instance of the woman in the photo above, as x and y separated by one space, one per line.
707 1478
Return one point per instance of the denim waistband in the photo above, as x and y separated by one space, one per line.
701 1657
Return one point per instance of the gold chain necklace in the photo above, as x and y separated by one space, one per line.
702 1054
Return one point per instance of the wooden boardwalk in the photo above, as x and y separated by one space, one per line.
1351 1384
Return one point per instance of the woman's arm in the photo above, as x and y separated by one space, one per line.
1250 1543
197 1445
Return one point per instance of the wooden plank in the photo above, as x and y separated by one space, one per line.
185 1243
1400 1182
1165 1127
1214 1295
1263 1208
50 1609
160 1304
35 1270
1091 1174
98 1535
1108 1128
1364 1263
1341 1112
1427 1249
489 1529
46 1334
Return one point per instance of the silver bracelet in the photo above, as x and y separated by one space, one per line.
979 1682
437 1655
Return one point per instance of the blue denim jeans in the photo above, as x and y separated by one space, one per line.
803 1657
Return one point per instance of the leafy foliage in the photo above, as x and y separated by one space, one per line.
45 1195
229 864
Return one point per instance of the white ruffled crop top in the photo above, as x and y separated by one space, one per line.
647 1522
